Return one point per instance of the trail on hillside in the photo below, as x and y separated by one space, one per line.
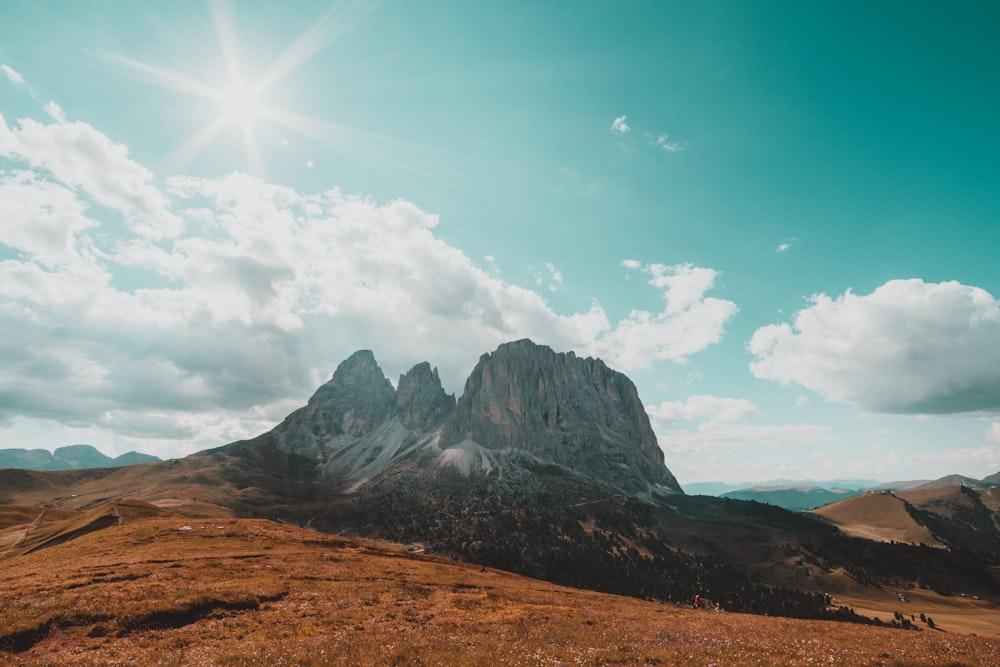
33 524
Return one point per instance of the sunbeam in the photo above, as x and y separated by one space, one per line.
241 104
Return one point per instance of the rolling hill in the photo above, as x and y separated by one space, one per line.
159 588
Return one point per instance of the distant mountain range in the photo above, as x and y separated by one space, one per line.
799 495
68 458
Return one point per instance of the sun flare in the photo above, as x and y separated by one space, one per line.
241 103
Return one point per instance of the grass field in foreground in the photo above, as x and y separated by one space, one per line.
172 591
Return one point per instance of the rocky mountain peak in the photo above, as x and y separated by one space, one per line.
358 369
356 399
523 405
421 402
575 412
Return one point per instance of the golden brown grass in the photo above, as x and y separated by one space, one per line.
252 592
877 516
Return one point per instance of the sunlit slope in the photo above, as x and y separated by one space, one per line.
173 591
247 481
877 516
48 528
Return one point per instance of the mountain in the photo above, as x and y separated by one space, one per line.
524 407
560 409
67 458
956 480
793 498
546 465
956 516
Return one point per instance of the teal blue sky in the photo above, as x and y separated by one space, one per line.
780 219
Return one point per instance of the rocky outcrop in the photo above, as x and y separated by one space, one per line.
356 399
421 402
524 406
560 408
357 425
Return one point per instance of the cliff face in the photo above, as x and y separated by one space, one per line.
574 412
522 403
420 401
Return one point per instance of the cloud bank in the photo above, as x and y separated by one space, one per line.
203 308
909 347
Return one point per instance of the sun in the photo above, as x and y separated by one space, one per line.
240 103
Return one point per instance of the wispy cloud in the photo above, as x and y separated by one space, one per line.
551 278
620 126
13 75
993 433
663 141
55 111
659 140
782 247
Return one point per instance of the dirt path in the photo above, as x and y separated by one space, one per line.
24 533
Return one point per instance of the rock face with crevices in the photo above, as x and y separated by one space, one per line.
525 407
574 412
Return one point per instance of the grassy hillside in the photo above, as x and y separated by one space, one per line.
174 591
877 516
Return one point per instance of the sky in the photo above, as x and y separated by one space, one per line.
780 219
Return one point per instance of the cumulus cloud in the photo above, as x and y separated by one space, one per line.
909 347
221 303
79 156
13 75
993 433
702 407
689 322
619 126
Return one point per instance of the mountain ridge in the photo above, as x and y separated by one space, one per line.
69 457
523 405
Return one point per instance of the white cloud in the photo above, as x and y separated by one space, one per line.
993 433
81 157
715 436
631 264
54 110
663 141
163 330
13 75
689 323
702 407
620 126
555 277
783 247
801 401
910 347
